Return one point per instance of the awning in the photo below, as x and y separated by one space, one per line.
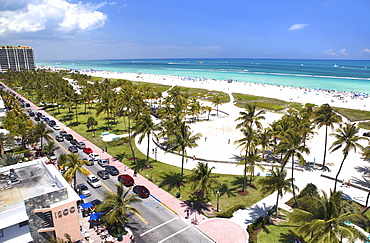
95 216
87 205
82 196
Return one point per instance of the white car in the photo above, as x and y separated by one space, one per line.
95 156
93 181
56 127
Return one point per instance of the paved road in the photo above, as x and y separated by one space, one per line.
156 222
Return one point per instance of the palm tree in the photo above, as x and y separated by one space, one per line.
10 159
4 139
145 127
217 101
326 116
181 139
247 142
251 159
276 182
250 117
115 208
326 220
291 145
203 180
347 137
42 132
73 164
263 139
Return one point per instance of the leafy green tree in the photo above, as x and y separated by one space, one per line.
91 122
263 140
250 117
325 219
252 159
202 179
73 164
346 137
276 182
325 116
115 208
4 140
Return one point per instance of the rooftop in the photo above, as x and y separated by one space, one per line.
25 180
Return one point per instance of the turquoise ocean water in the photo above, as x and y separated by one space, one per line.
341 75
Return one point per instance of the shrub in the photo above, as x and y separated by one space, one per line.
310 190
230 211
255 226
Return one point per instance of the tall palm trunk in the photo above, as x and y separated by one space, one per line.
129 139
294 196
326 141
182 165
340 168
277 201
245 170
147 151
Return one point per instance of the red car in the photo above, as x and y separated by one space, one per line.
87 150
126 180
141 191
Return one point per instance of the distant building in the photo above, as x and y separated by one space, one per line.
16 58
36 204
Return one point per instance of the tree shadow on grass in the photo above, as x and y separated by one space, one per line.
171 180
238 182
121 156
139 166
287 237
74 124
225 190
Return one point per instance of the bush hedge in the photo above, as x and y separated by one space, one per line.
230 211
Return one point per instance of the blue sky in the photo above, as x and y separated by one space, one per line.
92 29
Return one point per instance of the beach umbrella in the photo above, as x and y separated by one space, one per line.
87 205
95 216
82 196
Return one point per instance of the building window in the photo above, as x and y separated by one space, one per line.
1 233
24 223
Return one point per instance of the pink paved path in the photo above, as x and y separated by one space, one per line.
221 230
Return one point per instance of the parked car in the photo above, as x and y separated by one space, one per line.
88 161
56 127
68 137
72 149
95 156
27 105
95 202
37 118
73 142
93 181
112 170
103 162
59 138
63 133
52 123
103 174
32 113
81 188
126 180
141 191
39 114
52 156
81 145
87 150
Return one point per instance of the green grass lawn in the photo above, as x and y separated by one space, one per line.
353 115
121 150
263 102
205 94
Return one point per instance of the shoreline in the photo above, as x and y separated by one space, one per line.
287 93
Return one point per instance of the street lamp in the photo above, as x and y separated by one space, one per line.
155 151
217 199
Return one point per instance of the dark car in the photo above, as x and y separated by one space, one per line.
72 149
126 180
28 105
37 118
83 189
46 119
68 137
39 114
63 133
73 142
112 170
88 161
95 202
81 145
103 174
52 123
59 138
32 113
141 191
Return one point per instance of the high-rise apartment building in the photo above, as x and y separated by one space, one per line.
16 58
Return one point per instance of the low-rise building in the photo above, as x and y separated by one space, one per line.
36 204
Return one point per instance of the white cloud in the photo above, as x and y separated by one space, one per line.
297 26
366 50
330 53
52 15
343 52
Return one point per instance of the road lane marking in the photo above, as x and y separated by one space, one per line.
150 203
178 232
140 217
158 226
